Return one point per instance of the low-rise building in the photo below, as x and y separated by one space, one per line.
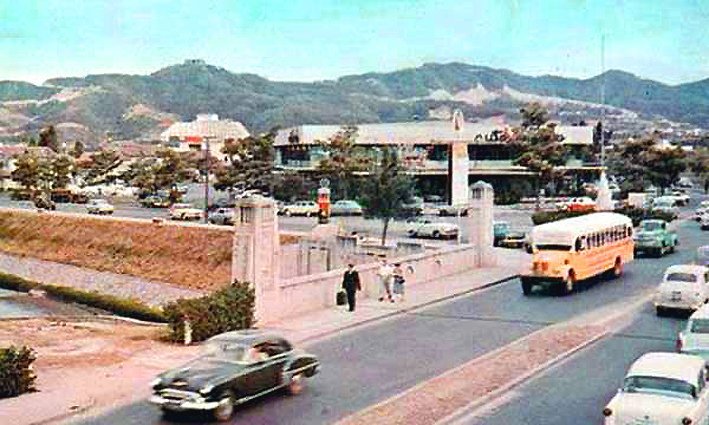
189 136
425 148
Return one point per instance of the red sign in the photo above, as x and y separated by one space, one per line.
193 139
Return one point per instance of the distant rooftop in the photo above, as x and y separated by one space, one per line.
205 125
420 132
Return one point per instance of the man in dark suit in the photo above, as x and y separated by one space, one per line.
351 284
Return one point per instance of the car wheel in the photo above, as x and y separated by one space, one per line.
296 385
225 410
659 311
436 234
287 213
617 268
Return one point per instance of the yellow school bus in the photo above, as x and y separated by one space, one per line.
570 250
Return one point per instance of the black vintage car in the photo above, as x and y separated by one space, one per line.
235 367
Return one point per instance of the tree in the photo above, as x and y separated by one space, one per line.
664 165
292 186
101 165
643 161
249 164
48 138
27 172
61 167
387 189
537 146
699 165
78 149
163 172
344 159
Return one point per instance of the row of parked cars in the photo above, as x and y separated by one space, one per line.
672 388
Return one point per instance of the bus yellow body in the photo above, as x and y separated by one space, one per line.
574 249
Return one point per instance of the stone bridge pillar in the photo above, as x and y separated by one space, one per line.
479 223
255 249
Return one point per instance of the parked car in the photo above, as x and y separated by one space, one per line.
346 207
306 208
667 204
100 207
655 238
514 239
661 388
701 210
581 203
413 208
500 230
184 212
43 202
703 255
426 228
223 216
685 183
694 338
681 197
434 199
236 367
683 287
452 210
155 202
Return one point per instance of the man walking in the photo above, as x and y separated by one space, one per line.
351 284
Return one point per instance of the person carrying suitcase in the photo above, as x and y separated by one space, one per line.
351 284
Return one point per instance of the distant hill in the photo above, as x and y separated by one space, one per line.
140 106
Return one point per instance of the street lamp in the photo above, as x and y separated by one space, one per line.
205 148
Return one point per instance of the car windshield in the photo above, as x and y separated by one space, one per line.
681 277
651 226
553 247
182 206
699 326
663 204
666 386
225 350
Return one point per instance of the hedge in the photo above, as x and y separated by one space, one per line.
16 374
120 306
635 214
227 309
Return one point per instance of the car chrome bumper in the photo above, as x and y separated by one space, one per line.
679 305
181 405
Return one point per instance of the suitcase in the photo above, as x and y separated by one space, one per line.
341 298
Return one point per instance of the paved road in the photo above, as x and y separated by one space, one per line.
373 363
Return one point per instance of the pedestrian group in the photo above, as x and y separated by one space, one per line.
391 283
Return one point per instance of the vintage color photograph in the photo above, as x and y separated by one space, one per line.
370 212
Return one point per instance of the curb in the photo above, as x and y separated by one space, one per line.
311 339
84 318
65 415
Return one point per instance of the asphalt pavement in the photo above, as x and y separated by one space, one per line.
371 364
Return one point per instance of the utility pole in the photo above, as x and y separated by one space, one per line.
205 148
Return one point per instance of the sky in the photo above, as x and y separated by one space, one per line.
307 40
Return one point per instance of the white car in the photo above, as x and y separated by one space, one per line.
99 206
694 339
184 212
581 203
681 197
425 228
702 209
661 389
306 208
683 287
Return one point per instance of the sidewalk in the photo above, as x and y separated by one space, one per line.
316 325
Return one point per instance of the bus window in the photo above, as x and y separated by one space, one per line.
579 245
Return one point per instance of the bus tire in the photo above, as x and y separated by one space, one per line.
617 269
526 286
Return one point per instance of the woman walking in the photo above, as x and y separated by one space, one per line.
399 281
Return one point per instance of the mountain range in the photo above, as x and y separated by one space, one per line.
140 106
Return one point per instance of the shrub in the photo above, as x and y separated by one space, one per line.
120 306
16 374
228 309
542 217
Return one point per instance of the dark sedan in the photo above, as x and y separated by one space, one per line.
235 368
